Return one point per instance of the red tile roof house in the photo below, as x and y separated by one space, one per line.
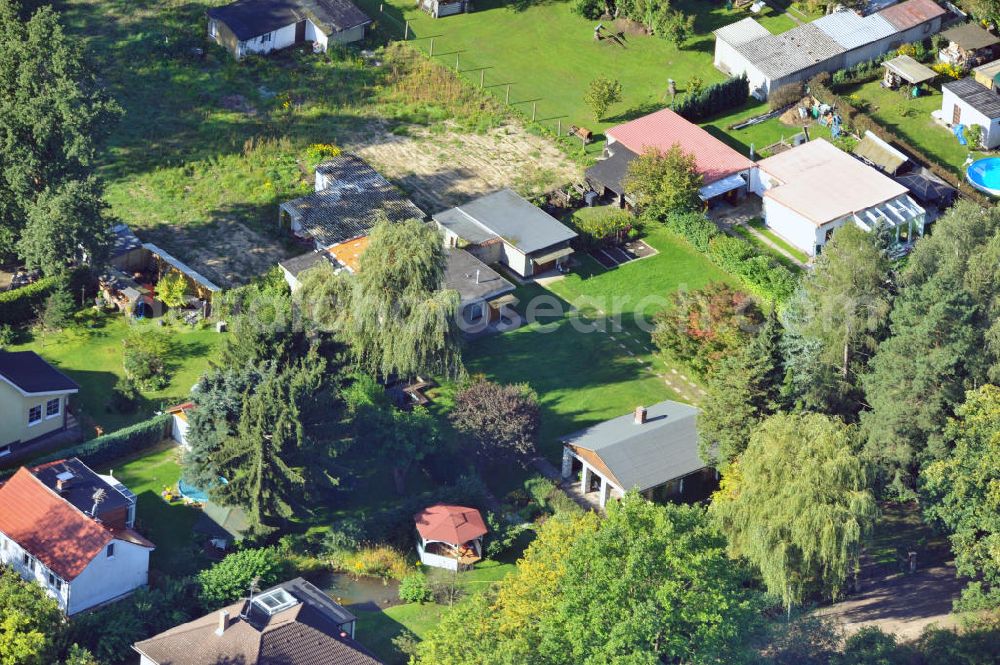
450 537
71 530
724 171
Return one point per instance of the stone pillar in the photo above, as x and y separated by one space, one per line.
567 465
605 491
585 479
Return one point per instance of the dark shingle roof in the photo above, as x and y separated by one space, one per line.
252 18
611 172
27 371
976 95
355 198
124 241
646 455
299 264
473 279
307 633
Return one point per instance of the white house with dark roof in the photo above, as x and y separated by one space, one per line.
504 228
72 531
261 26
652 450
293 623
34 401
968 102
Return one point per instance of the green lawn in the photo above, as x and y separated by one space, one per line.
756 136
911 119
168 525
547 54
90 353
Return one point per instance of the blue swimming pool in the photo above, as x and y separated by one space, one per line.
984 175
191 492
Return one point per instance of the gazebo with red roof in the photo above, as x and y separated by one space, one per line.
450 536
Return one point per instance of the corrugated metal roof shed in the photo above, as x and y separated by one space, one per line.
742 32
909 69
780 55
912 13
976 95
852 31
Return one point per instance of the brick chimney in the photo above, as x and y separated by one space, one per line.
223 622
640 415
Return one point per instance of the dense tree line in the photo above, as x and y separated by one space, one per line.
53 117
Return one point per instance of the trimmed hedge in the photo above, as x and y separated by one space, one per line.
117 444
19 306
861 122
761 274
715 99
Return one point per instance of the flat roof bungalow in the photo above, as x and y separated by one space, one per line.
261 26
968 102
651 450
503 228
811 189
835 41
723 170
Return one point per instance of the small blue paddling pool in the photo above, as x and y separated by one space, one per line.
984 175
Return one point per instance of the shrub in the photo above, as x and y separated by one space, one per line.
377 561
57 311
414 588
172 289
117 444
948 70
19 306
786 95
592 9
974 134
539 489
8 335
700 103
600 230
124 397
230 579
144 356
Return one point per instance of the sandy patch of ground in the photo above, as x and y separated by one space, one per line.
901 604
442 170
227 252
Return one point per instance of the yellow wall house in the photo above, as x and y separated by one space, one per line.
33 399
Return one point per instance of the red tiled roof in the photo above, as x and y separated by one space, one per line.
911 13
661 130
49 528
450 524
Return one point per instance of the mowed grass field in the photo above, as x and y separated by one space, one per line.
548 55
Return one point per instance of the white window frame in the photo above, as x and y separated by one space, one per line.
32 423
265 38
58 401
213 28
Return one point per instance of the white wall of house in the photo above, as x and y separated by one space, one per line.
791 226
970 116
355 34
180 425
107 578
271 41
516 260
12 555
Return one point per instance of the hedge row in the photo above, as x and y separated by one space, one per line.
861 122
715 99
761 274
20 305
117 444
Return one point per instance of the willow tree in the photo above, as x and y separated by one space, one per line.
397 318
797 505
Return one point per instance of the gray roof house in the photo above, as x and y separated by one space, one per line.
349 198
260 26
504 228
644 450
483 292
835 41
294 623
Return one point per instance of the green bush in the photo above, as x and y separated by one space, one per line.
111 446
539 489
714 99
414 588
144 357
20 306
124 397
606 228
230 579
786 95
592 9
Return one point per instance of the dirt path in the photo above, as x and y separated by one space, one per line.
901 604
444 169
